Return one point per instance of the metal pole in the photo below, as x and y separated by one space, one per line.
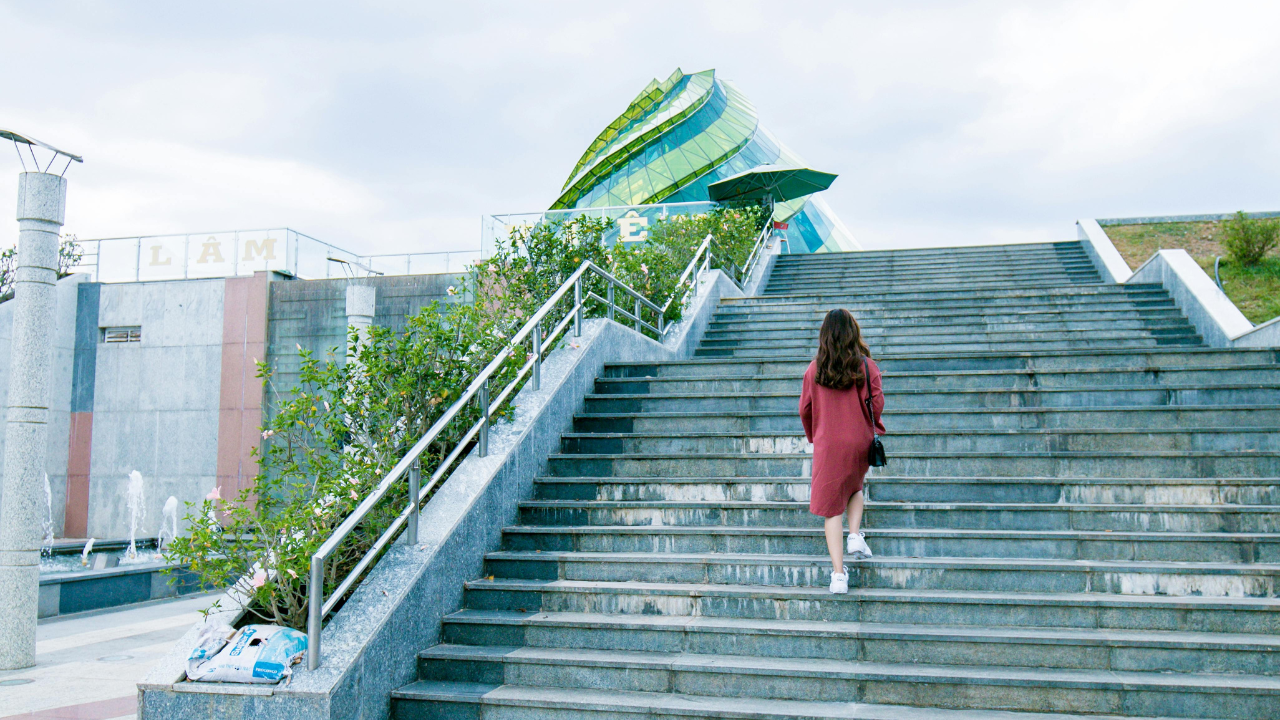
638 326
537 357
484 419
415 489
315 605
611 300
577 311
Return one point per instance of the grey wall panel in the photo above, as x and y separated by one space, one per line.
312 314
156 402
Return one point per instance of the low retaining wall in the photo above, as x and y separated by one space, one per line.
1214 316
370 646
64 593
1153 219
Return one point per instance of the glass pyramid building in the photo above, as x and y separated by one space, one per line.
679 136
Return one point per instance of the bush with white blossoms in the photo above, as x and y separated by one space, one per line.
527 267
342 426
330 440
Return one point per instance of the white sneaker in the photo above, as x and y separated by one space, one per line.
857 547
840 583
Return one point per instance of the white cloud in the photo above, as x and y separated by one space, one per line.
396 126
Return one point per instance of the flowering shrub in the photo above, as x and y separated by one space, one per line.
333 437
535 260
344 425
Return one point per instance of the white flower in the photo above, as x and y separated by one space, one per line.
452 290
267 433
645 268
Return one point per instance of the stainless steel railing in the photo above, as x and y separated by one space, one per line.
409 467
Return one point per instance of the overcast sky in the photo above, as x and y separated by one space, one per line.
393 126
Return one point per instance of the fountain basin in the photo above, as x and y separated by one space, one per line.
68 587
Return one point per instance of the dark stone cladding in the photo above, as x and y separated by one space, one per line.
312 314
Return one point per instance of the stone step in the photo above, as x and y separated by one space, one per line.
678 440
925 295
979 608
427 699
957 419
1198 695
1015 250
958 574
1171 546
900 400
960 253
842 280
946 309
1078 263
871 315
1090 491
1113 517
965 293
1032 258
1060 270
982 261
905 318
1179 463
795 365
900 380
824 284
884 341
875 332
833 288
922 346
1060 648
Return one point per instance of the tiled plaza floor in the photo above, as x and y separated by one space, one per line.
87 666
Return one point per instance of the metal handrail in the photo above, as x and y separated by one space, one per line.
750 265
317 606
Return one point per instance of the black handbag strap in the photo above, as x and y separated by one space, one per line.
866 377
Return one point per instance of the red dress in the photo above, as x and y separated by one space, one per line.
836 422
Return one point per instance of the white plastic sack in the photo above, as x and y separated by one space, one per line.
256 654
211 638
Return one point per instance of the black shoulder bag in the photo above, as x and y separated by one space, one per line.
875 456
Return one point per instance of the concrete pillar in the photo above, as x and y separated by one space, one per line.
41 203
361 300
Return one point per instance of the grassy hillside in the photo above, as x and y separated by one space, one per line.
1256 290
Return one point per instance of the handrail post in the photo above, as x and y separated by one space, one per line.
315 606
484 419
610 300
638 325
577 308
536 380
415 489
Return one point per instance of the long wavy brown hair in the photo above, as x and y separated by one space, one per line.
840 351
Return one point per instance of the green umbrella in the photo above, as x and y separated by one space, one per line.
771 183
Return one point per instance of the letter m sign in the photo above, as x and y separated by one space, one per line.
264 248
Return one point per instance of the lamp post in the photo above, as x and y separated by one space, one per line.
42 200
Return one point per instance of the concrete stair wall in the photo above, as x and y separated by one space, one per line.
1080 517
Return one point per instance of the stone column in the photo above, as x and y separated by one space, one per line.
361 300
41 201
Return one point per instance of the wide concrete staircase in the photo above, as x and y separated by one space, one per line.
1080 516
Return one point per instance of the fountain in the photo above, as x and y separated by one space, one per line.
84 554
46 546
134 500
168 526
